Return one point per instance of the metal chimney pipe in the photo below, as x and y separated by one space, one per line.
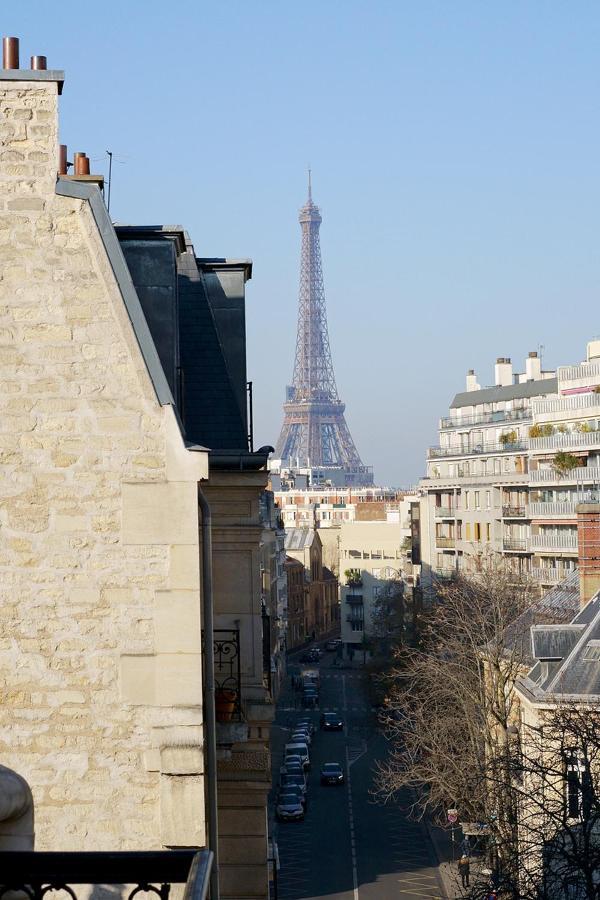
82 164
39 62
10 53
62 159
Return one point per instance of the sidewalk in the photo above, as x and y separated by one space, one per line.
447 866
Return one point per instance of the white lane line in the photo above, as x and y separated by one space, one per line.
351 821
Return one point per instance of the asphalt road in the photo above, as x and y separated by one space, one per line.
349 846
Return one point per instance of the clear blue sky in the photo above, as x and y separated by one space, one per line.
455 155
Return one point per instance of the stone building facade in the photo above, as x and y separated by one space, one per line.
122 359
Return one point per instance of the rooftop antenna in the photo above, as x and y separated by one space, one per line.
541 349
110 156
309 185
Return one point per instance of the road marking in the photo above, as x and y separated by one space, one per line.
351 816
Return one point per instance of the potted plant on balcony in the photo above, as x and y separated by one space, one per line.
353 577
564 462
508 438
225 701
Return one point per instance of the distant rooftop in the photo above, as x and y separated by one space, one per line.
538 388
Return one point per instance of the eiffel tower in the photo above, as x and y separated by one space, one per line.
314 435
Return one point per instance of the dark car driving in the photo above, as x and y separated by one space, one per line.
332 773
331 721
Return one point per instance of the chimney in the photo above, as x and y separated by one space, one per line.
30 140
472 381
504 372
588 540
533 367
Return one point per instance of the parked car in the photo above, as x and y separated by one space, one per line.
298 792
297 781
297 749
331 721
332 773
289 808
293 766
306 722
333 644
310 698
302 736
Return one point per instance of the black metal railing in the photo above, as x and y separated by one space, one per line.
517 544
36 874
266 648
228 678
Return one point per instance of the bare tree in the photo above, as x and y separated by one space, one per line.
553 787
453 700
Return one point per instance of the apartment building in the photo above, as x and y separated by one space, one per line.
512 462
326 507
373 560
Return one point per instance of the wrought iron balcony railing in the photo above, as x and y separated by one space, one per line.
515 544
36 874
228 680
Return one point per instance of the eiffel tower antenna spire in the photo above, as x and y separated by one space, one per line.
314 434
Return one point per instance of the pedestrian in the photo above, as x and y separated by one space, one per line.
464 869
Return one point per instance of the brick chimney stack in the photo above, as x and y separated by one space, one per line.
588 537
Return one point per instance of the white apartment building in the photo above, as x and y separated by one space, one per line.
371 555
512 462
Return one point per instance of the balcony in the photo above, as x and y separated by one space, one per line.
569 441
34 874
355 599
514 512
566 543
355 621
548 575
588 474
517 415
477 449
448 482
228 682
578 373
444 573
515 545
445 512
566 404
445 543
554 509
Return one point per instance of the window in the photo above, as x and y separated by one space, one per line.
376 573
476 499
376 592
476 531
466 499
467 531
488 499
578 788
488 532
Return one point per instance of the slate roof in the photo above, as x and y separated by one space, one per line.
558 606
299 538
211 413
177 306
568 656
539 388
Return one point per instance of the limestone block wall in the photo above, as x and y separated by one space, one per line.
100 668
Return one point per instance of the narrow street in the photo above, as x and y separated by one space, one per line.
348 845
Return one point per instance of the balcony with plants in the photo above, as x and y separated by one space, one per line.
579 435
508 442
486 418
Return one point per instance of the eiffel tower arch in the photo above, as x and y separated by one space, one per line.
314 435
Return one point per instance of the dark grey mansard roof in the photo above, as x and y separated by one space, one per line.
568 656
557 606
539 388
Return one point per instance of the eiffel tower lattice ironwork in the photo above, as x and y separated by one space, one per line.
314 432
